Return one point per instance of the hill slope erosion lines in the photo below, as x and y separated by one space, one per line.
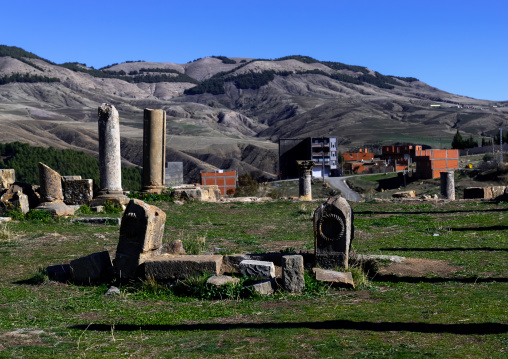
229 112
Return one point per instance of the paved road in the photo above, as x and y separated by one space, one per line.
340 184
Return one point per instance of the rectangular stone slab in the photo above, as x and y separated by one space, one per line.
170 267
257 269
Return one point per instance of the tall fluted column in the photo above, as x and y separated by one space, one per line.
305 179
110 165
154 151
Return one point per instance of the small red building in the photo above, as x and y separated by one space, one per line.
225 180
430 163
358 156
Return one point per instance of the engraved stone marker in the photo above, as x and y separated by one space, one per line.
154 151
140 236
292 273
333 233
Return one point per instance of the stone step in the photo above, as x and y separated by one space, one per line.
170 267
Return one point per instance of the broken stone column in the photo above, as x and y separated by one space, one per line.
109 157
154 151
333 233
305 179
51 192
140 237
448 185
292 273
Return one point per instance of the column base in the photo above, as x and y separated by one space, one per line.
102 199
58 209
332 261
153 189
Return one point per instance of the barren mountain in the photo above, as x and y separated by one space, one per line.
229 112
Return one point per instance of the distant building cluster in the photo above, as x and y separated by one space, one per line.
323 151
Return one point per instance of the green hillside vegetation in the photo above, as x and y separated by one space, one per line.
18 53
16 77
122 75
24 159
225 60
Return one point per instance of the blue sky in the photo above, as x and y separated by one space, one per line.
456 46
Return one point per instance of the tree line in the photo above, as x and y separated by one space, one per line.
16 77
24 159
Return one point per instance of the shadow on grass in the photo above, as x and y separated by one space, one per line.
491 228
407 279
432 212
470 328
447 249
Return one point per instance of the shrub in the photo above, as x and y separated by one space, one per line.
112 208
39 216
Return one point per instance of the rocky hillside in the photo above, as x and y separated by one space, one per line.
229 112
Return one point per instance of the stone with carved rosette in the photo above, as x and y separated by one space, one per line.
333 233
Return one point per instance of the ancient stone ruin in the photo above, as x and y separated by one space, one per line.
333 233
140 236
140 255
305 179
447 185
154 151
51 192
109 157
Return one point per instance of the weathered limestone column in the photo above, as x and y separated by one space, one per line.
51 192
154 151
109 157
305 180
448 185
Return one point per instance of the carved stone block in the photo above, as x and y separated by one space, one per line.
333 233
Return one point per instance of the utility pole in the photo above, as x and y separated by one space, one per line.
501 145
323 157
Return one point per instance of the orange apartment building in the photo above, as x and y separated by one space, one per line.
429 163
225 180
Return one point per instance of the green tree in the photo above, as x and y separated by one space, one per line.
457 142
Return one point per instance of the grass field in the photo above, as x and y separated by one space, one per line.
455 306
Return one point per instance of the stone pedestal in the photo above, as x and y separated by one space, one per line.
154 151
109 157
333 233
51 192
140 237
447 185
305 179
